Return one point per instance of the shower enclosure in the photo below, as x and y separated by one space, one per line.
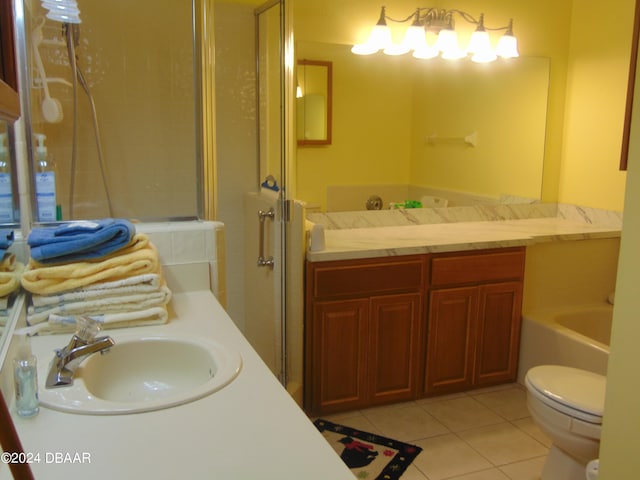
116 101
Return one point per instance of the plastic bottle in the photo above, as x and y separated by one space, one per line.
25 374
6 196
45 183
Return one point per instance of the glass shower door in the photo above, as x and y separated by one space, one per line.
266 209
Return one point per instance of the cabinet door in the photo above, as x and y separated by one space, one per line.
394 342
498 341
451 339
339 355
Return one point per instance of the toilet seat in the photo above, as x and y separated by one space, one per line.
576 393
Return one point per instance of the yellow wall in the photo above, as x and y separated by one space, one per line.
621 425
453 99
556 274
576 168
594 113
356 143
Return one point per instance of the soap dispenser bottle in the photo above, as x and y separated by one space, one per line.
6 197
25 374
45 183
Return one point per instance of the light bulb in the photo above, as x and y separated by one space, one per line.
480 46
479 42
507 46
415 39
447 43
426 52
396 49
380 37
484 57
364 49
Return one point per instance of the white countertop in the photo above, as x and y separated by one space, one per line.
251 429
353 243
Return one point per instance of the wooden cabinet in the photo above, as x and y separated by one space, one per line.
393 329
473 331
363 333
450 337
395 326
338 354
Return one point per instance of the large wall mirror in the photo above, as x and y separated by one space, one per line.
314 102
11 263
402 121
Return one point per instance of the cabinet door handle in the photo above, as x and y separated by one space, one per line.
262 216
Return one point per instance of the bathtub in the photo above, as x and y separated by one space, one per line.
576 336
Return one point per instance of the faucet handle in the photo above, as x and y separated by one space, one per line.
86 328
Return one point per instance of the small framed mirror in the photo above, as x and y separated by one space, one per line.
313 102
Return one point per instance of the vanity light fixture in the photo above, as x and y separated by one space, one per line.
432 33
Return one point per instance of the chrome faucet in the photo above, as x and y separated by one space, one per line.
82 344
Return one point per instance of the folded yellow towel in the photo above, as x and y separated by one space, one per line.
10 279
138 258
9 263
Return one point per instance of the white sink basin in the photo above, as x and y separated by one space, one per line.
144 373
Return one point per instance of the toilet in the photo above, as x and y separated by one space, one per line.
567 404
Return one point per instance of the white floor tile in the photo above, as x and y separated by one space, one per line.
462 413
510 404
492 474
409 423
447 456
526 470
503 443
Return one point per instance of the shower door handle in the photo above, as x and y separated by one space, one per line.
262 216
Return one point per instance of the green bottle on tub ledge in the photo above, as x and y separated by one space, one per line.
406 204
48 209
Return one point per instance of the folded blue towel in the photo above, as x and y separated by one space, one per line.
80 240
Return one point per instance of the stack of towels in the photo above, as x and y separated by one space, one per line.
10 272
103 269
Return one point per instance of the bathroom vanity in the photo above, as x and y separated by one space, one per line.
394 329
397 312
251 428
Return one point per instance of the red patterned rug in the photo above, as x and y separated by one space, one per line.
369 456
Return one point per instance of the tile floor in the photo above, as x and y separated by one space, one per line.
485 434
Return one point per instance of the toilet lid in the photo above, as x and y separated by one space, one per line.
578 393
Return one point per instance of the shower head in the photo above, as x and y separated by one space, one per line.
51 107
65 11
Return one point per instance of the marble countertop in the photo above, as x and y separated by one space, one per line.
249 429
382 241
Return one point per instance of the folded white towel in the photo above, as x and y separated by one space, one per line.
151 279
100 305
66 324
147 283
